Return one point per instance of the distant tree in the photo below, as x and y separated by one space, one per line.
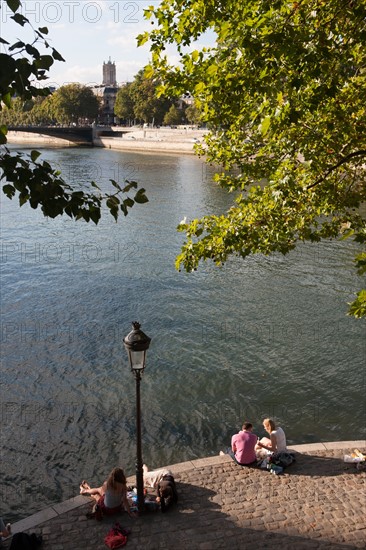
73 102
192 114
124 106
32 111
44 111
15 115
147 106
173 116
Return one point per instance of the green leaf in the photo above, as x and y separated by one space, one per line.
20 19
266 122
358 306
112 203
9 190
9 67
44 62
148 12
13 5
17 45
116 185
43 30
360 261
129 202
199 88
6 98
34 155
95 215
140 196
142 39
149 71
130 185
3 132
195 55
212 70
23 198
31 50
57 56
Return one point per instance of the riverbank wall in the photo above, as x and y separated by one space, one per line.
146 140
155 140
42 140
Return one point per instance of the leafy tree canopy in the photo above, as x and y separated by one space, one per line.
283 91
123 107
173 116
73 102
22 66
192 114
147 106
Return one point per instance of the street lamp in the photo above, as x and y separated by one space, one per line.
136 344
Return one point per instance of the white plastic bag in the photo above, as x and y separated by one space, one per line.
353 459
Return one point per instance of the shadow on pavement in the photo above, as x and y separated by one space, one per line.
197 522
320 466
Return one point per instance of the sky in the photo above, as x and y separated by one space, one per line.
88 33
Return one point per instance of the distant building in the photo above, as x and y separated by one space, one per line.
107 92
109 74
185 100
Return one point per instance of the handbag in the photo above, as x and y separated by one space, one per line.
116 537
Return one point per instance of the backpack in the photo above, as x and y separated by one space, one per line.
282 459
116 537
23 541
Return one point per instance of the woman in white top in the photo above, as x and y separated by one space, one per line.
112 495
277 441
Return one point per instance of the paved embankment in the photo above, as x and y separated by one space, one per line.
152 140
149 140
318 503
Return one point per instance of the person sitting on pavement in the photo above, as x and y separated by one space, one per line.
164 483
5 530
152 478
166 492
112 495
243 446
277 441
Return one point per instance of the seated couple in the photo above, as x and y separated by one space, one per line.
246 447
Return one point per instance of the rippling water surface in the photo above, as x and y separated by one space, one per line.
258 337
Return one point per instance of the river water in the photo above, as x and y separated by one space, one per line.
258 337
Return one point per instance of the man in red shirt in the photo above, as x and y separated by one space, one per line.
243 444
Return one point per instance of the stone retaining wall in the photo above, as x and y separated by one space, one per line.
28 138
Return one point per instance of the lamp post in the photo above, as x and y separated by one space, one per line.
136 344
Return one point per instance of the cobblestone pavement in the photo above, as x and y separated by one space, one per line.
318 503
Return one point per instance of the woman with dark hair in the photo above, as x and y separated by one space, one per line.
166 492
112 495
163 482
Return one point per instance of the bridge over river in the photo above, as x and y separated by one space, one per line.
78 135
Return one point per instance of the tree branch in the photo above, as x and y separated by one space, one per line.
332 168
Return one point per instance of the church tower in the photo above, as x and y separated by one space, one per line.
109 74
